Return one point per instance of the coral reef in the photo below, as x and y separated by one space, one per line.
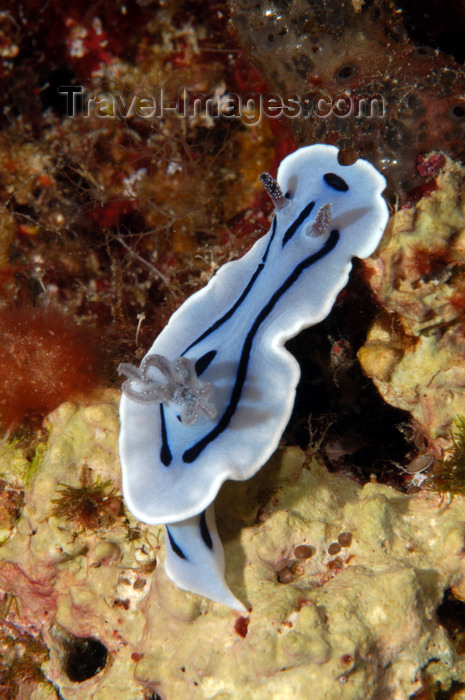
414 350
108 221
343 583
112 215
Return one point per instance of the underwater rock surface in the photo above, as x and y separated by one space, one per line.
357 56
343 581
414 350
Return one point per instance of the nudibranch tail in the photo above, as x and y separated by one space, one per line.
195 559
215 392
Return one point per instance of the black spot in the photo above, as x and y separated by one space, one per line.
204 531
203 362
84 658
346 72
458 112
177 550
423 51
283 5
165 455
336 182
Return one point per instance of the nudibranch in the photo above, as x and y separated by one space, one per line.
214 393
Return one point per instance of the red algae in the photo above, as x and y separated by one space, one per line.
428 263
46 359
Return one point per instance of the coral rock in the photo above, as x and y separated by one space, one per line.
414 351
357 623
354 56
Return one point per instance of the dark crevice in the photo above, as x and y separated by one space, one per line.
435 24
451 615
357 431
84 657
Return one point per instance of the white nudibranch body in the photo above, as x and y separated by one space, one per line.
214 393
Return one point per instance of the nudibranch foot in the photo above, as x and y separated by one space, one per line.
195 559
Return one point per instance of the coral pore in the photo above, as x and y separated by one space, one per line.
46 359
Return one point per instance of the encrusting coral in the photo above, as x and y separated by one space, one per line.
365 84
343 582
414 350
